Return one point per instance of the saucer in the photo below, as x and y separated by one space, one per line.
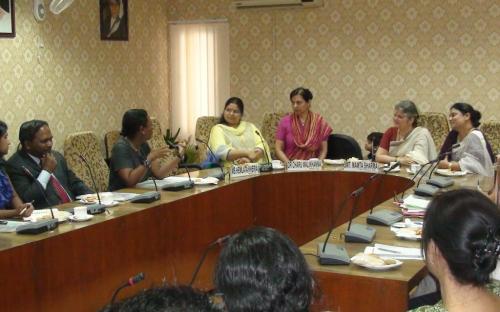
80 219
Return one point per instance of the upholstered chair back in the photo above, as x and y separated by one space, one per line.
110 139
203 126
437 124
86 144
491 130
270 123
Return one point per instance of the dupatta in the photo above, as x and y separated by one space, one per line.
308 138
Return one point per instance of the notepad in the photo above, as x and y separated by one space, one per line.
415 202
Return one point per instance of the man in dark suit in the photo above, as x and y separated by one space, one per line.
40 174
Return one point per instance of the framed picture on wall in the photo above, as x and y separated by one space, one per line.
7 19
114 19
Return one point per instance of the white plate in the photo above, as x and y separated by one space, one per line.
80 219
377 267
449 173
92 198
334 161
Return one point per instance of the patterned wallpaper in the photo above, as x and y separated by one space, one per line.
60 71
360 57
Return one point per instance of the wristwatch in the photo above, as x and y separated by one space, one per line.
147 163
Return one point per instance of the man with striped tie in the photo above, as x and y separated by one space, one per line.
40 174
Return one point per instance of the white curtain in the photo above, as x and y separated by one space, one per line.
199 77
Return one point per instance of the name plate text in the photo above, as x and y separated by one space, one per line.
245 170
304 165
362 165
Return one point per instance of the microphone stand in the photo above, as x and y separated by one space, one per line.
222 175
94 208
147 197
216 242
131 282
430 188
335 254
268 166
39 226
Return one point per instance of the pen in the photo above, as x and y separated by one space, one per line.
24 209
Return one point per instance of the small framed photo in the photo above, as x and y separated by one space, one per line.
114 19
7 19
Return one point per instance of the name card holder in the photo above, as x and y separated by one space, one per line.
304 165
362 165
245 170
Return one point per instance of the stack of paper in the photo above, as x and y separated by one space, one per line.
414 206
395 252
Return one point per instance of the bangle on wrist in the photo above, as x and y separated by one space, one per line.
147 163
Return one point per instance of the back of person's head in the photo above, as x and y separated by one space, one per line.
236 101
409 109
305 93
28 130
132 121
261 269
375 138
464 108
465 226
3 128
165 299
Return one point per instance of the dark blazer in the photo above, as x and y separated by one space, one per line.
28 187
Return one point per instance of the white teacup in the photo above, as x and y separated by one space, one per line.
80 212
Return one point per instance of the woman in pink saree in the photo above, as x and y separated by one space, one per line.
302 134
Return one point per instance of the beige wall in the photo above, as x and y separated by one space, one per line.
360 57
76 81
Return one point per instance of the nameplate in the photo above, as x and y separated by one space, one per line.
304 165
362 165
245 170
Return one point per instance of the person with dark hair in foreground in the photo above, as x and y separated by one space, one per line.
461 242
474 153
261 269
132 160
165 299
40 174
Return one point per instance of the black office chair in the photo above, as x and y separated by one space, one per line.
341 146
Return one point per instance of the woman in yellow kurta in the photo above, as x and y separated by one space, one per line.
237 141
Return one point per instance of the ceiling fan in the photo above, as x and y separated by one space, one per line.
56 7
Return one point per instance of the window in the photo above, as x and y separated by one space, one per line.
199 71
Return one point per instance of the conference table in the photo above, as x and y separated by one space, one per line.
78 266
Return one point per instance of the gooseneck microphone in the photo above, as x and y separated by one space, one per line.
39 226
217 242
433 186
268 166
222 174
94 208
147 197
130 282
336 254
39 186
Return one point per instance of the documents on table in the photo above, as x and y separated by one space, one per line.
395 252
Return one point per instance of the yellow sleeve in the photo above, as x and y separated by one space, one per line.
217 142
